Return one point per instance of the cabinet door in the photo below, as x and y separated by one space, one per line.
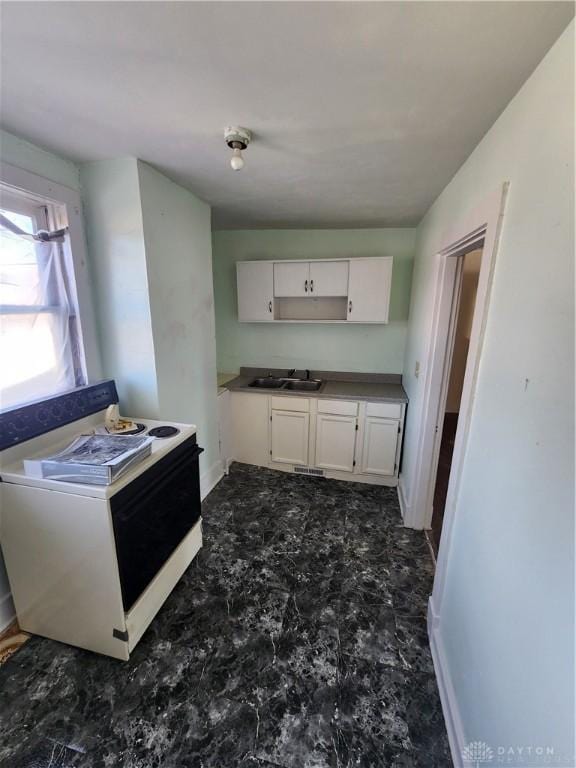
379 448
291 278
255 281
289 443
250 423
329 278
335 442
369 290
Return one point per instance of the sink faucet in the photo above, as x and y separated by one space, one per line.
307 374
292 371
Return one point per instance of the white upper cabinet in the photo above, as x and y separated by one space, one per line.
318 291
255 291
310 278
369 290
291 278
328 278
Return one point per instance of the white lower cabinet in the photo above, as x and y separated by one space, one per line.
343 438
250 420
335 442
379 447
289 437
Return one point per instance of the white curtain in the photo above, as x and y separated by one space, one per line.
36 355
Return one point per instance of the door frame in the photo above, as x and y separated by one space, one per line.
481 225
451 286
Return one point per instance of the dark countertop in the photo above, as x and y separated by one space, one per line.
337 385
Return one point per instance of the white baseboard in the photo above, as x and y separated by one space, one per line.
210 478
454 726
7 611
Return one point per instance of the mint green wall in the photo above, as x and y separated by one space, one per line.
29 157
151 248
506 620
370 348
115 234
178 244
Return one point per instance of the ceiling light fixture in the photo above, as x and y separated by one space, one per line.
237 139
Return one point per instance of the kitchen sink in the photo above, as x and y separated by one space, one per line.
269 382
294 385
311 385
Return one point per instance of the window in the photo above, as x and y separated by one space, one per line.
40 345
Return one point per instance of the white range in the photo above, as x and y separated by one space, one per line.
91 565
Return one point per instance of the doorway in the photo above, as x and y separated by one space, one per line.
464 305
477 229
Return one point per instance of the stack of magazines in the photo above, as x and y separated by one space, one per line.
94 459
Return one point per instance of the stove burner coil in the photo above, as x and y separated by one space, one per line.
164 431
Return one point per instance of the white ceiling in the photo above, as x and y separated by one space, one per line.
361 112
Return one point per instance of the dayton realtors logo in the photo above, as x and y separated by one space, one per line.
477 753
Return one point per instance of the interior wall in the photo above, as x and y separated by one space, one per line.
178 245
470 274
115 234
506 622
29 157
151 247
369 348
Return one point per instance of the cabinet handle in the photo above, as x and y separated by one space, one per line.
269 306
350 306
306 285
311 286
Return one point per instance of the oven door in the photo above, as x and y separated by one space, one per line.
152 515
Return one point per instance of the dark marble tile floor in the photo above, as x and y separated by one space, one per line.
296 639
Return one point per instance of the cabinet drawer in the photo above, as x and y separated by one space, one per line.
338 407
384 410
301 404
